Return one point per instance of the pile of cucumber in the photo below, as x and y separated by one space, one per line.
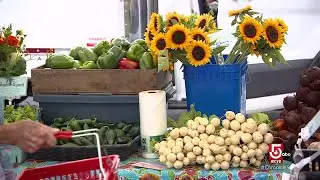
110 133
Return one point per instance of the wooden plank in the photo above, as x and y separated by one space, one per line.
114 81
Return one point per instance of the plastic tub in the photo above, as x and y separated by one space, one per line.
215 89
104 107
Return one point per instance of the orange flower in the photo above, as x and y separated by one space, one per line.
13 41
2 41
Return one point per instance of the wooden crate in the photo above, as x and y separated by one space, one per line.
114 81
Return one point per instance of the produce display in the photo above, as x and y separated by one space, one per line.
300 108
12 114
116 54
232 142
110 133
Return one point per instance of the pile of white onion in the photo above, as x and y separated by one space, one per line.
237 143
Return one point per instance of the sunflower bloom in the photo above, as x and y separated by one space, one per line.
170 17
212 27
148 36
251 30
198 34
203 21
282 24
178 36
273 33
239 11
198 53
158 43
155 23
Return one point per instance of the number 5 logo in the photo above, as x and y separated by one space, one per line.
275 151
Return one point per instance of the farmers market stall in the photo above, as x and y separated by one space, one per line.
118 91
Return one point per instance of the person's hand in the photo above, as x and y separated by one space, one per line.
30 135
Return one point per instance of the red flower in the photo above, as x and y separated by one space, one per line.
2 41
13 41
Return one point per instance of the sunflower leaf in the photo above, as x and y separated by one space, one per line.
280 57
217 50
234 21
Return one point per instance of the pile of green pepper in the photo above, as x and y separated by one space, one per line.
116 54
110 133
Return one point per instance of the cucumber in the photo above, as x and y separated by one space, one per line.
77 141
85 142
119 132
75 126
102 133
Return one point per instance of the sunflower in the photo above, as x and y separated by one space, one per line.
273 33
212 26
148 36
149 176
178 36
239 11
198 53
170 17
199 35
251 30
203 21
233 13
155 23
158 43
282 24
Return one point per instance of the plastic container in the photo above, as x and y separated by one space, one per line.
215 89
105 107
11 155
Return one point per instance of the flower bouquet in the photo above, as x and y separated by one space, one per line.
257 36
12 62
183 38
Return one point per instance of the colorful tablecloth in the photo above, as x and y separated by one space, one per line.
129 172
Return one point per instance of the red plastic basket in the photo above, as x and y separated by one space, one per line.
87 169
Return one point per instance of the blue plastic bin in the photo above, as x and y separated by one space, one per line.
215 89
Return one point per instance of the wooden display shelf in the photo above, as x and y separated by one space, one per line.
113 81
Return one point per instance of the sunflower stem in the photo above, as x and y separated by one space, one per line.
231 54
244 54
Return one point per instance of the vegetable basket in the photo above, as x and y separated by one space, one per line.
94 168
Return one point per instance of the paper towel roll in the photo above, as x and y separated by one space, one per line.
153 112
153 120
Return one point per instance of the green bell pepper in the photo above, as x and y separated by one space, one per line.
121 42
87 55
101 47
107 61
141 42
118 53
74 52
146 61
76 64
135 52
89 65
60 62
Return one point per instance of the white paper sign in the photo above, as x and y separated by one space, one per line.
13 86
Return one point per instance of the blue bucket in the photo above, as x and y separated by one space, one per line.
215 89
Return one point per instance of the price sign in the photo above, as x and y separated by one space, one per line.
13 86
